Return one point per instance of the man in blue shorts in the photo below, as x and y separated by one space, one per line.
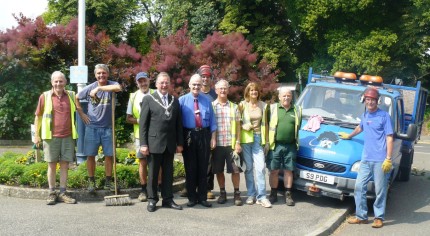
98 121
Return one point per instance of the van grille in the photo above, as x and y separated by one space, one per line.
329 167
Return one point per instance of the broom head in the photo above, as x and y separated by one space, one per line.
118 200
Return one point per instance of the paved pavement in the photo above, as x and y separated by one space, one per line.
310 216
408 204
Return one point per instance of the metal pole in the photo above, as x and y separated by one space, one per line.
80 157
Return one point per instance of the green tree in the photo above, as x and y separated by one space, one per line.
267 26
375 37
112 16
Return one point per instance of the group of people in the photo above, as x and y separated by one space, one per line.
211 132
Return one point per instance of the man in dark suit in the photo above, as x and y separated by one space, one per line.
161 136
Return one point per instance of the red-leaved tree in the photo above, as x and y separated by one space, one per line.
230 56
30 52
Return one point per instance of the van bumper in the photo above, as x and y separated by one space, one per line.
342 187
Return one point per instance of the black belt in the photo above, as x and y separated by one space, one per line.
197 129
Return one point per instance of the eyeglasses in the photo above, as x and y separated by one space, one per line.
196 85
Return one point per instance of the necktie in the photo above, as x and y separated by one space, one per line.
197 114
165 100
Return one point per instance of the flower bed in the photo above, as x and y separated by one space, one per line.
22 170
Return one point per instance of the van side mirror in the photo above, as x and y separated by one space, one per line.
411 133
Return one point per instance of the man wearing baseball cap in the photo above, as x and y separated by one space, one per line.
206 74
133 115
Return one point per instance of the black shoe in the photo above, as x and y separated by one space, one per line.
151 206
273 196
205 204
191 203
172 205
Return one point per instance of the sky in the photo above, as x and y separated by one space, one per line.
30 8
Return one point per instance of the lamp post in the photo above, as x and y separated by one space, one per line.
80 157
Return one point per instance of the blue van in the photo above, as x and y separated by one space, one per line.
327 165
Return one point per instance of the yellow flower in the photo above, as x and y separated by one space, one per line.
100 150
137 161
132 155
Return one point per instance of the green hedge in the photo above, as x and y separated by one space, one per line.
20 170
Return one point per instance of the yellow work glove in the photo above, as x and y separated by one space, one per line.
386 166
343 135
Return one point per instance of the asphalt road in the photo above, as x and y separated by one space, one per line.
408 213
34 217
408 205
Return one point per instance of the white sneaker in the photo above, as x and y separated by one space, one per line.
265 203
250 200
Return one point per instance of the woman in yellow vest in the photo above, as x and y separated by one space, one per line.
254 135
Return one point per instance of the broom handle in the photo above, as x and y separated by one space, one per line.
113 141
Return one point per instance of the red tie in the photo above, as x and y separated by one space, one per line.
197 114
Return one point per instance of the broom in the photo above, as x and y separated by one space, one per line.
116 200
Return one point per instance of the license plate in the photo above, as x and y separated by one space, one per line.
327 179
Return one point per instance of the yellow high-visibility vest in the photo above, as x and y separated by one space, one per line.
47 115
274 123
135 104
248 136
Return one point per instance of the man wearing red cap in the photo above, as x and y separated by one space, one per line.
206 74
375 160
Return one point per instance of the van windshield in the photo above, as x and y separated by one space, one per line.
335 105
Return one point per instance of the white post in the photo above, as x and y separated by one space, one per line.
80 157
81 38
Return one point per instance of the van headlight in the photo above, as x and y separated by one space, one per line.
355 167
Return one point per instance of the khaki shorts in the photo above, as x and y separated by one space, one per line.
137 147
59 149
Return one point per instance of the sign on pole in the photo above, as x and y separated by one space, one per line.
79 74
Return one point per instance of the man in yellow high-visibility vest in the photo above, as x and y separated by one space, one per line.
133 115
284 124
55 125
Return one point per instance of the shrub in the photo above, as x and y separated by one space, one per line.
77 179
122 154
128 176
35 175
178 169
9 155
10 171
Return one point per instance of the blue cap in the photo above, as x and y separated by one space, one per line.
141 75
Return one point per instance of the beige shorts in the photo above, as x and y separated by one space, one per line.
138 153
59 149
